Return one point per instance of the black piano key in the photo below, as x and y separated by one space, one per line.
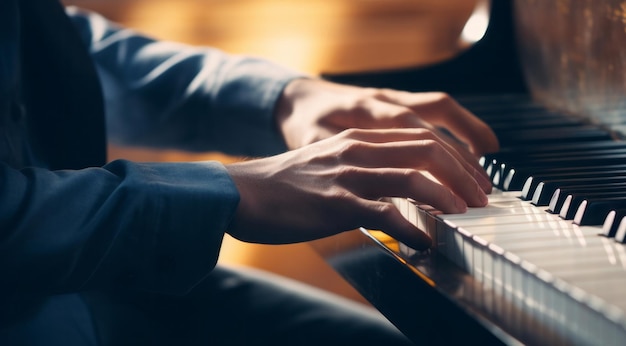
512 114
558 147
559 195
620 234
580 161
593 211
541 197
561 135
526 124
516 178
498 102
573 202
514 153
612 221
549 186
490 113
522 160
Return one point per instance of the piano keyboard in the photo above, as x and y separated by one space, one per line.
551 241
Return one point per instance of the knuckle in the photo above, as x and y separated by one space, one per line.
348 148
441 97
350 133
411 177
337 195
431 148
360 104
441 100
386 210
374 92
346 173
403 114
426 134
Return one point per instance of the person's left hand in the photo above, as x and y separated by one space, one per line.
312 109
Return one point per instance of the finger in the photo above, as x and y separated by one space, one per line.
376 183
468 161
386 217
375 114
441 110
400 116
427 155
468 158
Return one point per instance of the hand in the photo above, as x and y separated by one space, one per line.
337 184
311 109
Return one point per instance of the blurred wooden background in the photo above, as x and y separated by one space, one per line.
313 36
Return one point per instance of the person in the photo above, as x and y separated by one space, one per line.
97 253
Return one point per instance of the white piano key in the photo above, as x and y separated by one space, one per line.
558 273
494 210
620 235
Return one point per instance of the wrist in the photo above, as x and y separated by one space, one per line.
285 104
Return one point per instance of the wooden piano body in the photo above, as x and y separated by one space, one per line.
564 58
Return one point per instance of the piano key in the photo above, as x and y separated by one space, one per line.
573 202
611 222
571 256
531 149
519 115
568 259
560 135
514 105
541 198
593 210
536 123
620 235
580 161
489 264
521 159
541 227
512 153
559 195
565 275
531 186
548 187
516 177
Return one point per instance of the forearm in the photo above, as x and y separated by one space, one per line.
154 227
195 98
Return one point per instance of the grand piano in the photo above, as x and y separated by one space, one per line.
545 262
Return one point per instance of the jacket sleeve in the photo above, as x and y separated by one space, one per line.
155 227
194 98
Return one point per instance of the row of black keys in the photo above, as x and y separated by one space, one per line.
575 169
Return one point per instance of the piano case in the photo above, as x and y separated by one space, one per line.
545 262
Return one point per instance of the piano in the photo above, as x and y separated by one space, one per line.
545 262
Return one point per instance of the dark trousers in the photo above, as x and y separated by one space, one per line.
230 307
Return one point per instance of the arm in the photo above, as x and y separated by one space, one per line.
158 226
311 110
155 227
345 177
195 98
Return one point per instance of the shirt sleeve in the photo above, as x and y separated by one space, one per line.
165 94
145 226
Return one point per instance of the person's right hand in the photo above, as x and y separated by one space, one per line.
337 185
